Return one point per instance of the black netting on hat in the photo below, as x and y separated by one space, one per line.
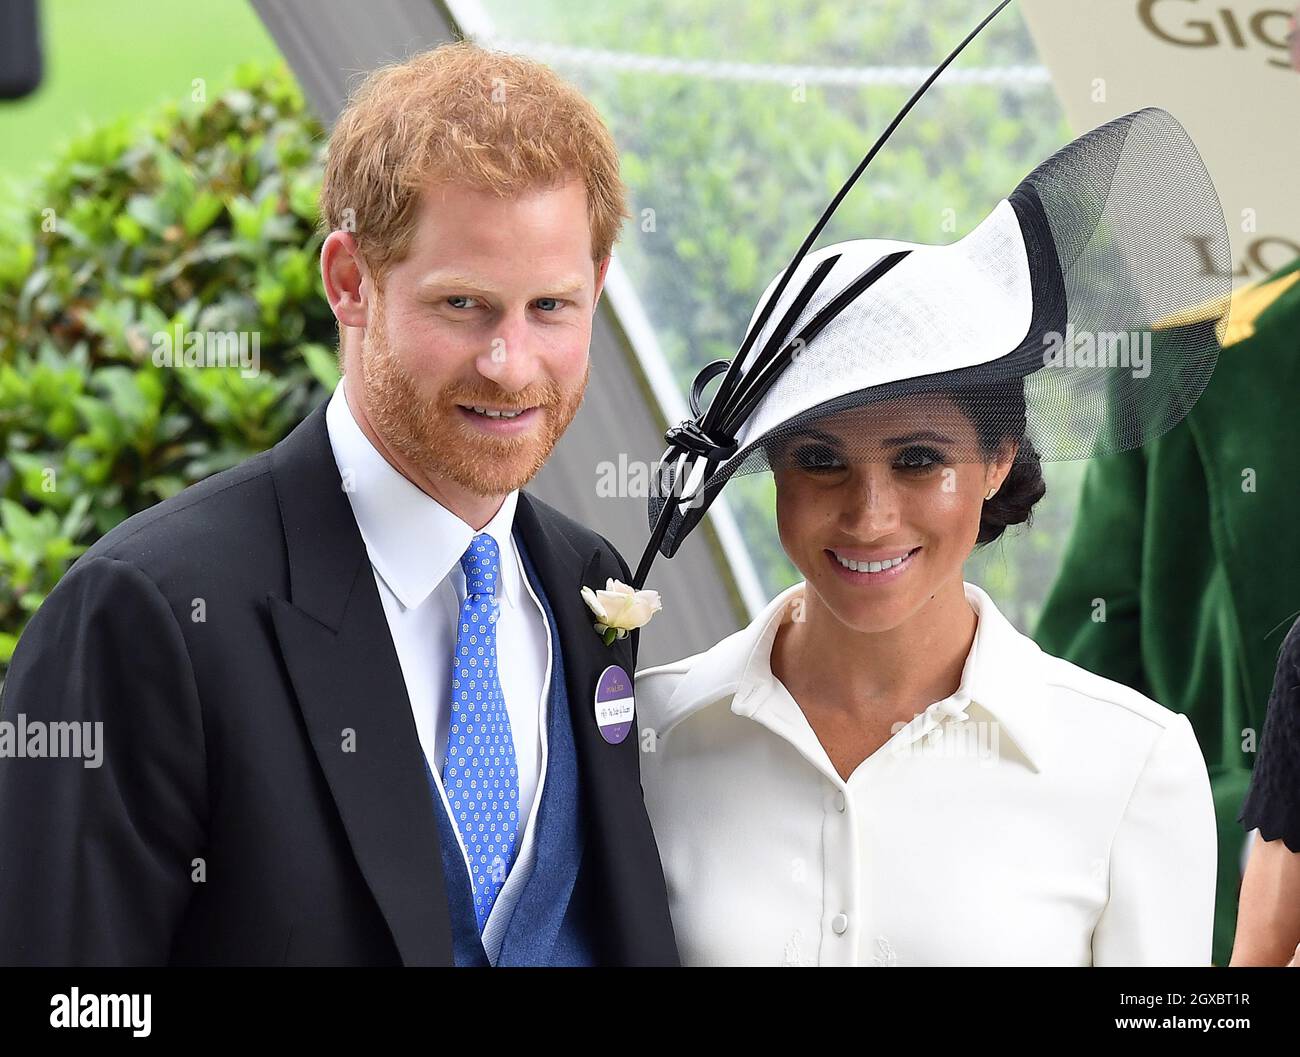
1083 315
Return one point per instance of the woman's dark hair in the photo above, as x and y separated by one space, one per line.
998 413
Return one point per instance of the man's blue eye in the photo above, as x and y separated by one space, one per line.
548 304
458 297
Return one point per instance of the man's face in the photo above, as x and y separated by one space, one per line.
491 308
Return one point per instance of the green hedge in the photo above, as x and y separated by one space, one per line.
200 217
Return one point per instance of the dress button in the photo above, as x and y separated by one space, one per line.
841 803
840 924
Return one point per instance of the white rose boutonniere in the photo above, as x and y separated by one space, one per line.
619 609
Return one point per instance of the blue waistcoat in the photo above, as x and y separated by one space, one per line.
544 928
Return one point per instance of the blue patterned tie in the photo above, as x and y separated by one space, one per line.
481 776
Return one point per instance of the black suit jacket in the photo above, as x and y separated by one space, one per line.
262 798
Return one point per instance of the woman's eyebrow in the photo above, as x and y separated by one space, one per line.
808 433
925 434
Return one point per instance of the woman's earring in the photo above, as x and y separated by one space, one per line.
992 493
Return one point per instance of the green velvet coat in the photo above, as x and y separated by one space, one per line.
1192 544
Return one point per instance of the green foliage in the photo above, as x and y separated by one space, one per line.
200 218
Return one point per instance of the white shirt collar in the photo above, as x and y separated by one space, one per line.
414 542
999 675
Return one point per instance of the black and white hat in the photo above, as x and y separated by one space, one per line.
1083 314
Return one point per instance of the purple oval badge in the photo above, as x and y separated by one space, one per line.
614 706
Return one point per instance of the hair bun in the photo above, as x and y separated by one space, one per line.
1013 504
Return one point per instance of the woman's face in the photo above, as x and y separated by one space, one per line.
899 489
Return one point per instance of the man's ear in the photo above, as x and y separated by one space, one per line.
601 269
345 279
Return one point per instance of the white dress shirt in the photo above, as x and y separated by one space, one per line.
415 545
1042 815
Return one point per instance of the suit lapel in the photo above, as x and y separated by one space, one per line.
564 571
634 915
341 660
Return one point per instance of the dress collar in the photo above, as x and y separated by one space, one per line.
1000 676
414 542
